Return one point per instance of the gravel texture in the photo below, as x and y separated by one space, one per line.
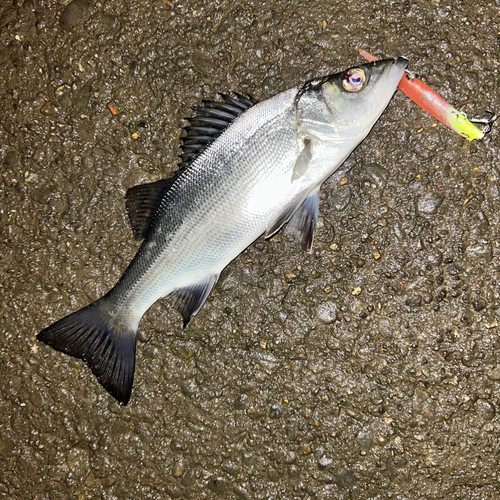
367 370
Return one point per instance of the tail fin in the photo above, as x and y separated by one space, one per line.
106 345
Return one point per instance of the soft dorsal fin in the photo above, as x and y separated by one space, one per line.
303 222
189 300
210 121
142 202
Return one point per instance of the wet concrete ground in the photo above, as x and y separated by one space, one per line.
367 370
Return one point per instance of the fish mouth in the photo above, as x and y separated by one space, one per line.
396 71
399 65
401 62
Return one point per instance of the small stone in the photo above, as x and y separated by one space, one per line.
231 468
345 479
343 181
11 159
177 470
327 312
376 255
48 108
241 493
324 462
356 291
365 440
435 258
275 412
342 198
188 478
75 14
480 250
485 409
378 175
176 446
217 485
479 304
494 374
429 203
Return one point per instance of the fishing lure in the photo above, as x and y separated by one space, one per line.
431 102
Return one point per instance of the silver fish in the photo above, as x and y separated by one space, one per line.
248 169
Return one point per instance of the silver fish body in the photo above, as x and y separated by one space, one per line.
262 172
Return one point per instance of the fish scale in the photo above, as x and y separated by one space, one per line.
248 169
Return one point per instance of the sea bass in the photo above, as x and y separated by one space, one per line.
248 169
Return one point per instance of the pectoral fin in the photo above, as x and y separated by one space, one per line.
189 300
301 214
303 222
303 160
285 215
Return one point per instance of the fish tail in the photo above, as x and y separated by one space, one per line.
106 344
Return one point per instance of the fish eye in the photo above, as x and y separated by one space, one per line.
354 80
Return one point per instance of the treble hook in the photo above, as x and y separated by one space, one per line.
487 122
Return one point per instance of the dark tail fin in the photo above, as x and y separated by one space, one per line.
106 346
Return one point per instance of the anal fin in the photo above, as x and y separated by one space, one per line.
189 300
303 222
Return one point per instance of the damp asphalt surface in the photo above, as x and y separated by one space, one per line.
369 369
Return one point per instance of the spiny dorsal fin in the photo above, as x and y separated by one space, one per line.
189 300
210 121
142 202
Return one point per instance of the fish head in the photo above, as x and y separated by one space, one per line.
343 107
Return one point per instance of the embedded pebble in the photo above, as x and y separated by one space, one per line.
327 312
345 479
485 409
11 159
494 374
75 14
481 250
324 462
231 468
342 197
177 470
241 493
217 485
188 478
48 108
479 304
365 440
378 175
435 258
429 203
275 412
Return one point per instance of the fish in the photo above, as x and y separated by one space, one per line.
248 169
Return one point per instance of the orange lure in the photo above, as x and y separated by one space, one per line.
431 102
